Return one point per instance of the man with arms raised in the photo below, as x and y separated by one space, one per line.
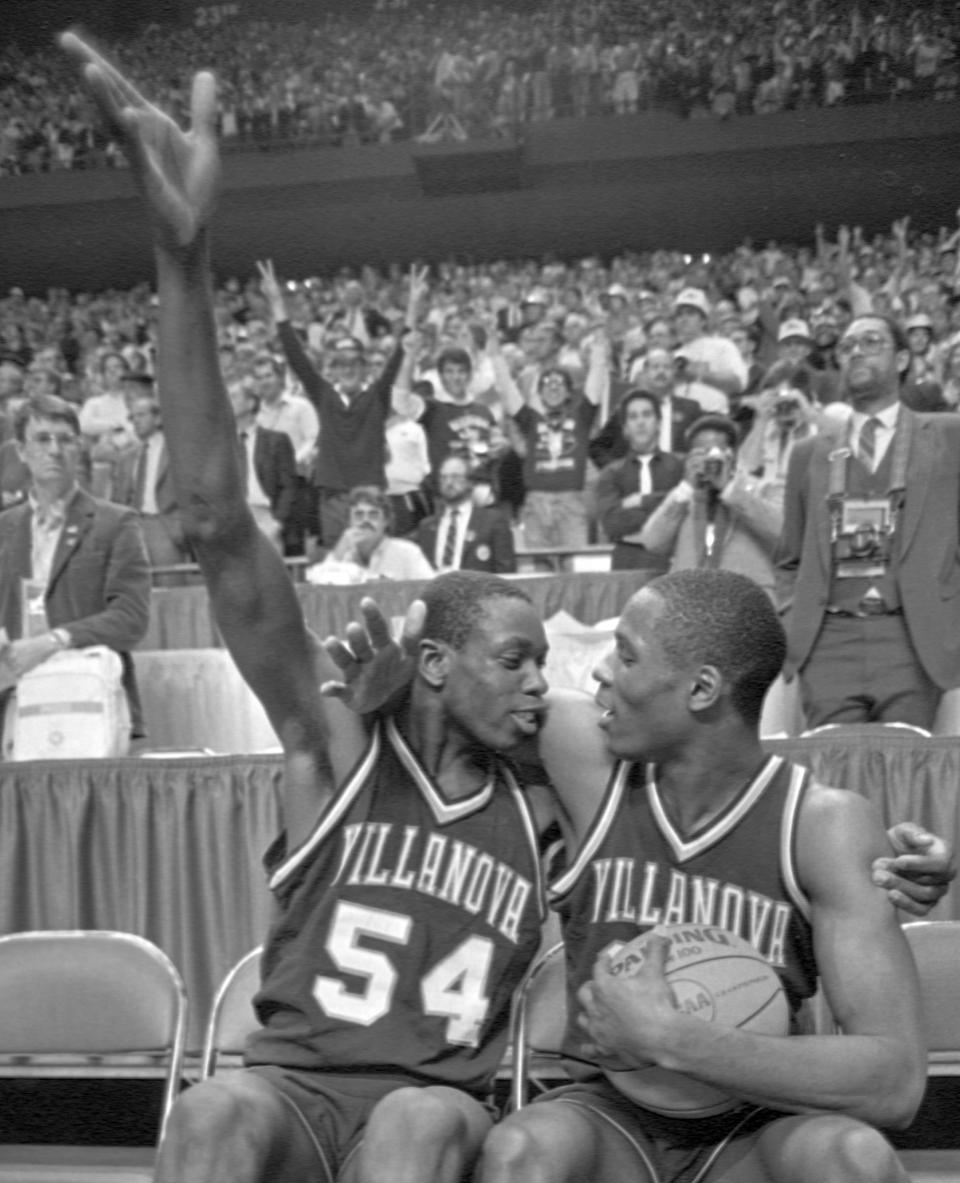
407 878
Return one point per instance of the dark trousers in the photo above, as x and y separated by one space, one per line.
333 513
864 670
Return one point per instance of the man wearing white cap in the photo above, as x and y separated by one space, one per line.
795 346
705 358
794 341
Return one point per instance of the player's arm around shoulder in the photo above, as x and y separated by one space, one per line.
575 757
866 968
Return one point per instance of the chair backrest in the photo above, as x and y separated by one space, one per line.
539 1017
232 1017
936 950
92 993
865 730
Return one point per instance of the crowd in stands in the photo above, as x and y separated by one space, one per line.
519 368
429 69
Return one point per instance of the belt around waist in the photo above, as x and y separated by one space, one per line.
863 614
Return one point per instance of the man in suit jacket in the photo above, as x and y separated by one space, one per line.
464 536
629 490
873 624
143 480
73 569
268 465
677 413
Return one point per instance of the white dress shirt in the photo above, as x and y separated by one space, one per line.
151 458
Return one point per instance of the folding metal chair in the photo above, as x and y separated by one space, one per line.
537 1025
936 950
88 1004
232 1017
865 731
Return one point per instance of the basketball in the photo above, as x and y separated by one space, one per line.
715 976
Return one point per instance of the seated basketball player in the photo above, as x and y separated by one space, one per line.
407 879
721 834
714 829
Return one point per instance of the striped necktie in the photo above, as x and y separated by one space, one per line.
450 542
867 448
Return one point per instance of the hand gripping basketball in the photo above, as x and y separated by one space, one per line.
717 977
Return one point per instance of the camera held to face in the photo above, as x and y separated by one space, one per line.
714 468
786 409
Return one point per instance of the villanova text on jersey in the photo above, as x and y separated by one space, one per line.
626 888
381 854
635 870
405 921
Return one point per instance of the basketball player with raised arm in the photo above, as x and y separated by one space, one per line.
407 881
712 831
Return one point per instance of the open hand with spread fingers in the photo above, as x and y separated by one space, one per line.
177 171
374 666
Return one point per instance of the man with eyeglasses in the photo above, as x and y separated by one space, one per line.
366 550
869 574
73 569
555 436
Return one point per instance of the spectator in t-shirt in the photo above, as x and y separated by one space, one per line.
555 437
708 360
455 423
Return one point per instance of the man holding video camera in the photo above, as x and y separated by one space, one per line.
869 559
717 515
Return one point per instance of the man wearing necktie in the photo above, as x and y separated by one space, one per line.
869 558
463 536
144 482
268 466
629 490
73 569
658 376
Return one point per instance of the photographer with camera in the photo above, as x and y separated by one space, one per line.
717 516
784 413
869 560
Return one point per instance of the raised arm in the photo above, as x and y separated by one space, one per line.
789 547
404 401
507 391
596 385
253 598
315 386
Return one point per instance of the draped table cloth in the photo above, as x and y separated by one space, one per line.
171 848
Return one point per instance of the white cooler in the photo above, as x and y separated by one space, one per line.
72 707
